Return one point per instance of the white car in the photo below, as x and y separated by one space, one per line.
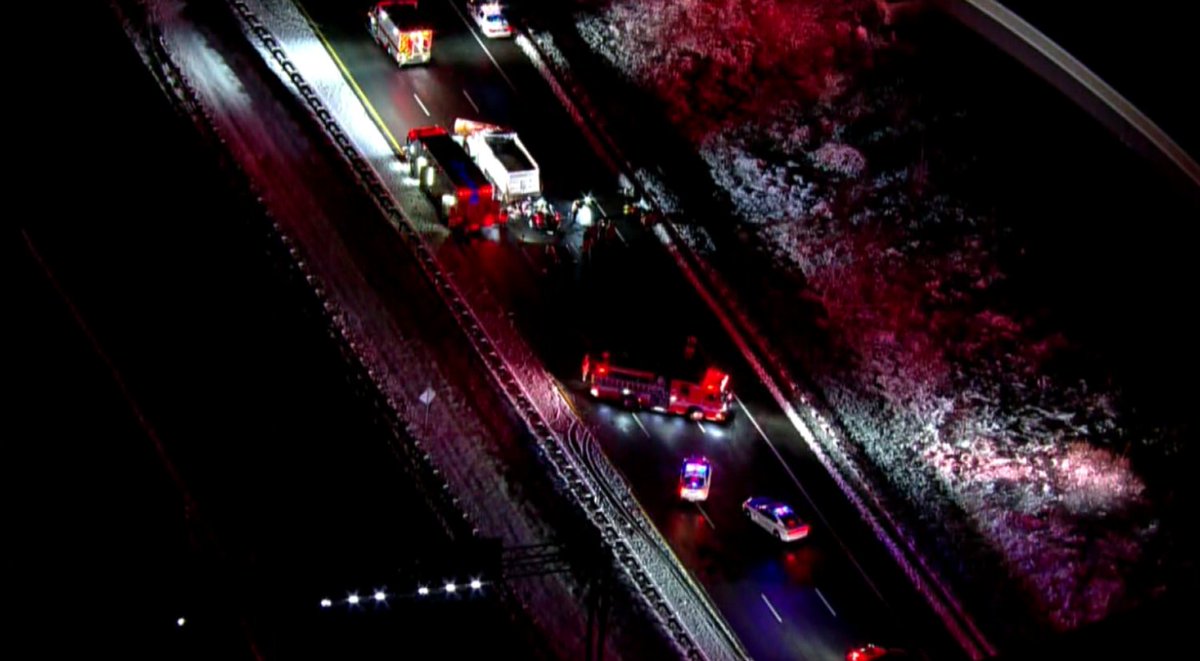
776 518
489 16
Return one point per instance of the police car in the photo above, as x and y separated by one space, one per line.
776 518
694 479
489 16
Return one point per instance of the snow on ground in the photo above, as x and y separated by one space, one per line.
273 154
277 156
955 401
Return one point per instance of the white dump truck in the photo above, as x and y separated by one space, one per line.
502 157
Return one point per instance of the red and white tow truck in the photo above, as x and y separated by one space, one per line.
698 391
403 31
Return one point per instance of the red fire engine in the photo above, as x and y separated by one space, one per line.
404 33
698 392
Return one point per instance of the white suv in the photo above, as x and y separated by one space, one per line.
490 18
776 518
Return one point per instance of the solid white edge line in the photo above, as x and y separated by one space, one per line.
862 572
706 518
471 29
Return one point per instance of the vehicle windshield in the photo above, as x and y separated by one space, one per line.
494 18
695 470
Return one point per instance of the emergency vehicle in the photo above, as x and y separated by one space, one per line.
455 185
489 16
776 517
695 478
684 387
402 30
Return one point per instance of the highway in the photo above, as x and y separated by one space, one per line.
812 599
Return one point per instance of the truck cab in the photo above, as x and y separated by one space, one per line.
458 189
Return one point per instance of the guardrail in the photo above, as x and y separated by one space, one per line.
602 508
434 489
771 369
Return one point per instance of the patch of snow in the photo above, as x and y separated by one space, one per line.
954 401
275 155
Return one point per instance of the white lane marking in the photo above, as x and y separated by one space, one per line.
710 523
620 236
824 601
471 101
812 504
572 249
639 423
421 104
479 41
702 429
773 611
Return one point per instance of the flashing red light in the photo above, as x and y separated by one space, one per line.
425 132
601 370
714 379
